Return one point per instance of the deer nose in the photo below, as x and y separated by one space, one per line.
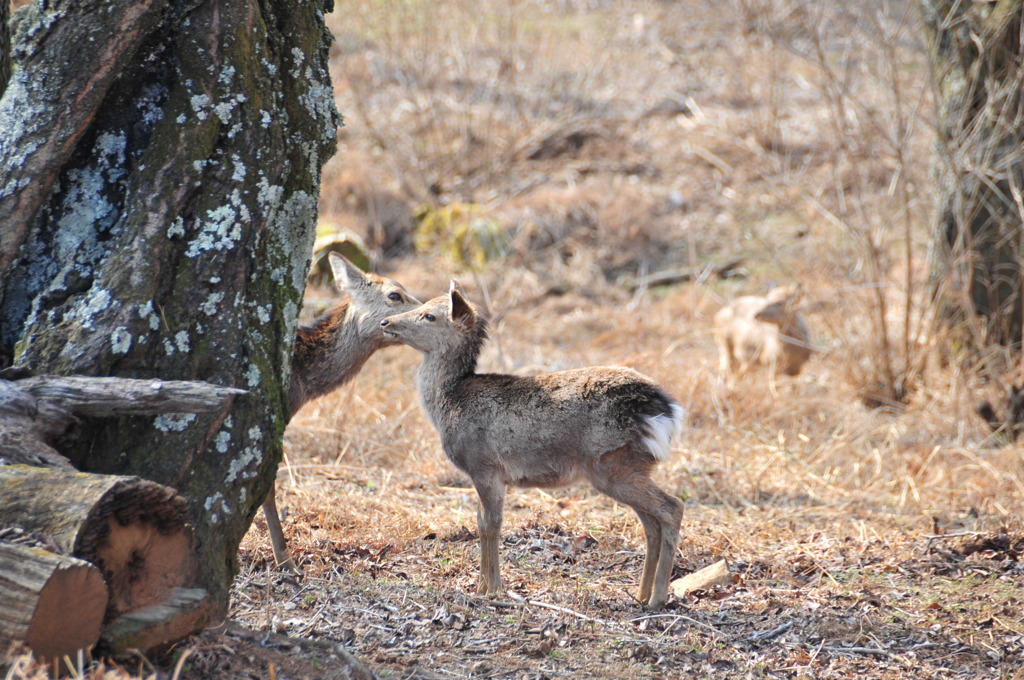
384 323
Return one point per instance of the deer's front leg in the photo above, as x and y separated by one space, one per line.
491 491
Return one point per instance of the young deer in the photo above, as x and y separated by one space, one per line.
608 425
768 330
331 351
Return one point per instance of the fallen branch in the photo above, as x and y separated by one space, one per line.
27 426
127 396
870 651
684 274
716 574
955 534
679 617
35 411
520 600
763 635
184 611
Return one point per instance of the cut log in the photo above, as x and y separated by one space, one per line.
717 574
53 603
185 611
132 530
135 531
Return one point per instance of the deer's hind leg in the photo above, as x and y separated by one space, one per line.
652 535
725 356
624 474
276 531
670 516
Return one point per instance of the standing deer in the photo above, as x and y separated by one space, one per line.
606 424
768 330
329 352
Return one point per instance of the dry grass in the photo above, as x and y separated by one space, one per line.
614 139
799 141
843 522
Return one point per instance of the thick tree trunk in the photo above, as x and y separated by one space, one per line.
34 148
978 253
52 603
161 190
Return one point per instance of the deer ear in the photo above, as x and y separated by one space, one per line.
461 311
346 275
789 294
798 291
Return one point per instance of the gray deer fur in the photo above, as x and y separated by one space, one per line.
608 425
331 351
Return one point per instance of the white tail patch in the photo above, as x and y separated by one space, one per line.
661 429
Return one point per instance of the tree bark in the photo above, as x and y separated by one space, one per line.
978 246
52 603
35 148
134 531
162 185
5 45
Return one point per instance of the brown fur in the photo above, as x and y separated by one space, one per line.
767 330
608 425
331 351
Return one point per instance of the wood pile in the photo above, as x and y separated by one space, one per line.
88 560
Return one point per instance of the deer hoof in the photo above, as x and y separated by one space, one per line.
656 602
484 588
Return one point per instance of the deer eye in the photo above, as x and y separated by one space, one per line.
430 317
397 297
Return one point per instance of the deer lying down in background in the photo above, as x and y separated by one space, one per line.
767 330
329 352
608 425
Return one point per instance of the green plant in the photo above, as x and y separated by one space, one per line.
462 234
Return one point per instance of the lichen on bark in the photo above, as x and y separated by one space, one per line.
174 241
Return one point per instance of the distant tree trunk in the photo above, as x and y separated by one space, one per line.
978 246
159 175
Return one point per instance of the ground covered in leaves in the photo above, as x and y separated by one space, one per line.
828 595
